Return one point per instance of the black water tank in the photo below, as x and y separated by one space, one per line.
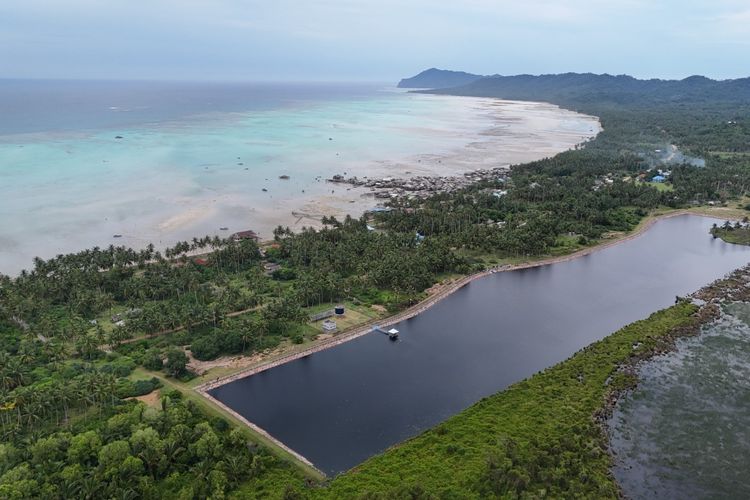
339 310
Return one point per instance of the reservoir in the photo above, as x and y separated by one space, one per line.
340 406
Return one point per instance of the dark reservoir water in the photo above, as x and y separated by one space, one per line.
340 406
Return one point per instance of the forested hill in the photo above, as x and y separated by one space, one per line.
585 89
434 78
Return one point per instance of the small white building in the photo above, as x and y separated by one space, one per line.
329 326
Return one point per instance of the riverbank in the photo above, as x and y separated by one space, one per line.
542 434
445 290
439 292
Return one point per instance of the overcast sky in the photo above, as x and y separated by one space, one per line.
378 40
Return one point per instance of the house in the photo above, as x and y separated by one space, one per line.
245 235
329 326
322 315
658 178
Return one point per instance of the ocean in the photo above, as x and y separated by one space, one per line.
157 162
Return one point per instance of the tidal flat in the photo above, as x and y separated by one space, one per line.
684 431
161 176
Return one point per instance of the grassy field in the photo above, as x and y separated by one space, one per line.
659 186
539 438
354 316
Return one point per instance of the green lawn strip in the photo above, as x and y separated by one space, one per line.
659 186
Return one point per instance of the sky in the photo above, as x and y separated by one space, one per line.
375 40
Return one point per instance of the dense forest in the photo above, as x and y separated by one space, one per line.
85 338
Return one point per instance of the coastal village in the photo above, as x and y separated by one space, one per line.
421 187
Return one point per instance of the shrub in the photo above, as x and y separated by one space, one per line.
205 348
219 424
141 387
152 360
125 388
174 395
176 362
230 342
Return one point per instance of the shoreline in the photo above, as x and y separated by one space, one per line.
734 287
175 200
262 432
428 302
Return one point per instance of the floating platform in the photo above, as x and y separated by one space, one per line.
392 333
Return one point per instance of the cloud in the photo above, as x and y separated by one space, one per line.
734 24
330 38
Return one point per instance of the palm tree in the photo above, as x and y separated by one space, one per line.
89 487
172 451
235 467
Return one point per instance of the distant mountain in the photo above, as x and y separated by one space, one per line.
584 89
434 78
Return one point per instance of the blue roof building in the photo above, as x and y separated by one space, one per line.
658 178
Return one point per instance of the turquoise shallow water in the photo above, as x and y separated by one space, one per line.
187 166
